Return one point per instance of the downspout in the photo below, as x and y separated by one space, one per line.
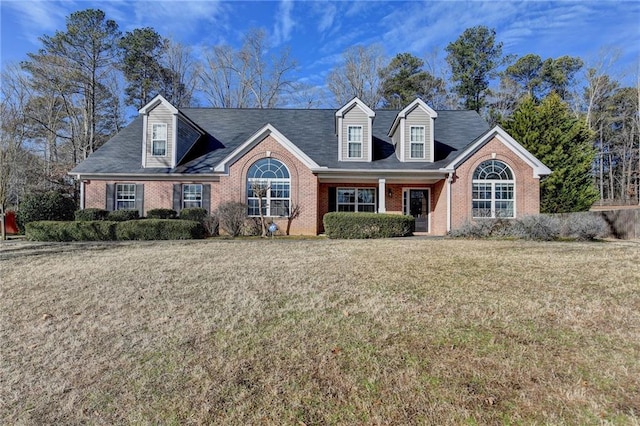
449 180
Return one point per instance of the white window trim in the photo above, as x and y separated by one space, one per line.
493 200
423 142
154 140
267 199
118 185
191 201
269 182
355 203
361 142
405 207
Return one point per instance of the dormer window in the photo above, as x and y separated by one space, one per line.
417 141
413 134
354 128
354 141
159 140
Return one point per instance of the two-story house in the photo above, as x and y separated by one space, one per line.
442 167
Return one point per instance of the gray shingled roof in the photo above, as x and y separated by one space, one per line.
313 131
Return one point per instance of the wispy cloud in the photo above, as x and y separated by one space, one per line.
38 17
327 16
284 22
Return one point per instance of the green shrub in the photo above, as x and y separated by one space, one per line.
123 215
367 225
98 230
199 214
193 213
162 214
159 229
45 206
91 214
231 217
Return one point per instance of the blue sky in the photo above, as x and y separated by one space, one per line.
318 31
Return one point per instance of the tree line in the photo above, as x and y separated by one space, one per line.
68 98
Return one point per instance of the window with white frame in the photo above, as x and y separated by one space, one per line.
354 141
493 191
356 199
159 139
125 196
416 141
191 195
268 180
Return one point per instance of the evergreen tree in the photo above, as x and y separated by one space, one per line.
404 80
142 51
474 58
564 144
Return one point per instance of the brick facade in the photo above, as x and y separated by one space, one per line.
157 194
527 188
313 197
304 185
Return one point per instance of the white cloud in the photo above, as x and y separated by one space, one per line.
284 22
327 16
38 17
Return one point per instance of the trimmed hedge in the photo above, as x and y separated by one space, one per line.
160 229
103 230
162 214
193 213
97 230
367 225
91 214
123 215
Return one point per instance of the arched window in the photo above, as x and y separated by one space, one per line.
268 179
493 190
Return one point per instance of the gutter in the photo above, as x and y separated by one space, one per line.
146 176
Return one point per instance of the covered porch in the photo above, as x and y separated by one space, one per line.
421 195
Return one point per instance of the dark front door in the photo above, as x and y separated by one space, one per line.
417 205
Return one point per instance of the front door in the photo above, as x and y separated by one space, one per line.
416 204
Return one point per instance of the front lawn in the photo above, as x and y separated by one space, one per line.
398 331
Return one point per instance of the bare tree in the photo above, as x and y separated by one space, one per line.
260 190
182 72
598 84
247 78
19 168
294 213
358 75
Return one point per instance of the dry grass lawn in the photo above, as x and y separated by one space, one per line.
399 331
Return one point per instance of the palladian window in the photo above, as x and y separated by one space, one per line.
493 190
268 179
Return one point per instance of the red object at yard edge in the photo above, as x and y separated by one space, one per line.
10 225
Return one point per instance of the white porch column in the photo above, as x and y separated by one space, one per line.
81 195
382 195
449 180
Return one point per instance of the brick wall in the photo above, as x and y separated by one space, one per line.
304 185
157 194
394 204
527 188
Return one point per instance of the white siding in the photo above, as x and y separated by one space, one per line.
397 143
159 115
418 117
356 117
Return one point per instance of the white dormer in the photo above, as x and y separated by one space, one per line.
354 126
167 134
412 132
